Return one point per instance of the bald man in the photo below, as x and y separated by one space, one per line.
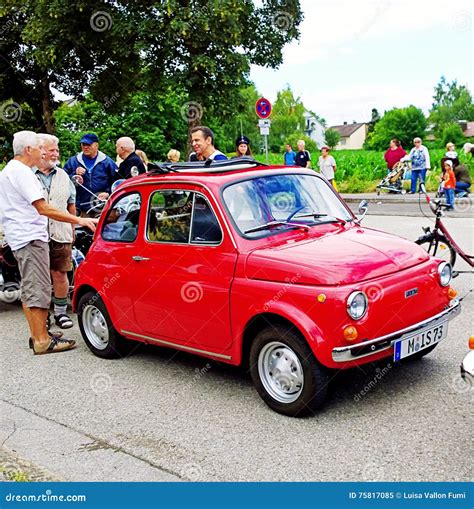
131 164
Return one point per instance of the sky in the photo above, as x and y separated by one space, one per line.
356 55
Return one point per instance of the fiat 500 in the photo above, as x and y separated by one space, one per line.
264 267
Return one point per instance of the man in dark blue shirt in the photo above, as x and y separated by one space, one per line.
131 164
97 172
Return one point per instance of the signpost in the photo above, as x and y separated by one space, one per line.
263 108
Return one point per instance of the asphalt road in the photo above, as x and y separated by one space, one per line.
162 415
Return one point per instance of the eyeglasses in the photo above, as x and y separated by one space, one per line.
417 141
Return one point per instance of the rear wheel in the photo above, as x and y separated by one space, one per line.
439 247
97 329
285 372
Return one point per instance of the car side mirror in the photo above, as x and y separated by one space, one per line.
363 208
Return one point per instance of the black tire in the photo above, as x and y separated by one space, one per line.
432 245
116 346
311 393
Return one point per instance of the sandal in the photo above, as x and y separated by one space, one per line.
63 321
56 345
51 335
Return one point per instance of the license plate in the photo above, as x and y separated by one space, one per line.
420 341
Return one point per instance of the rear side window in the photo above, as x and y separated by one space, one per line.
121 222
182 217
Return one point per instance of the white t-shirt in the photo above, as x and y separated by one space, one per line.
19 188
326 165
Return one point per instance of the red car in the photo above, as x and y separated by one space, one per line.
259 266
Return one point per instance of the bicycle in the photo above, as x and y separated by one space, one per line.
438 241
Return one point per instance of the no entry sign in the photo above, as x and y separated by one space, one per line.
263 107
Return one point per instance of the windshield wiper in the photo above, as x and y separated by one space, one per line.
273 224
331 219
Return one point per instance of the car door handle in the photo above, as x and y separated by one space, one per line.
139 258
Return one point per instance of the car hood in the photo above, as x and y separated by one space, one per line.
345 257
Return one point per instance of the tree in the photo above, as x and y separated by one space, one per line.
401 123
374 118
332 137
452 102
452 133
113 49
68 46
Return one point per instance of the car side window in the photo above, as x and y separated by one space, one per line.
169 216
205 229
121 222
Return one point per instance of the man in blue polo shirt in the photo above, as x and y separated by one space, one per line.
289 157
97 172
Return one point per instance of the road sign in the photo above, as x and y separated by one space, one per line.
263 107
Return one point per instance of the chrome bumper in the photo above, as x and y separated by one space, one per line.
366 348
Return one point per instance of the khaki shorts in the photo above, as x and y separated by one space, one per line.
60 256
33 263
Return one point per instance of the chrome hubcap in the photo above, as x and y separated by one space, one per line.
95 327
281 372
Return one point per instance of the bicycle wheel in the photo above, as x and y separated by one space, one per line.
438 246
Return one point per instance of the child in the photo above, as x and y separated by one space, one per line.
449 184
451 153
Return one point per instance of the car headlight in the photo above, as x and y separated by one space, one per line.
445 273
357 305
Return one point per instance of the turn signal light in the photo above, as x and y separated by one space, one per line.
321 298
452 293
350 333
471 343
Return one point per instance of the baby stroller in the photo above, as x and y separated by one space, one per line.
393 182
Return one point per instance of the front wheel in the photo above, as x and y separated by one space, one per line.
97 329
285 372
438 246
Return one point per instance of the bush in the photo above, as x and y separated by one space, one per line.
452 133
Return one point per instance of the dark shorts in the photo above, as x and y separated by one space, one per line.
60 256
33 263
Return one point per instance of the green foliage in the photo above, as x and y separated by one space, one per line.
452 102
332 137
154 121
287 118
401 123
310 145
114 49
452 133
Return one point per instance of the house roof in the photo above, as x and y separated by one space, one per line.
470 130
346 130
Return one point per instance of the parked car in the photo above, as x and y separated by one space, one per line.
259 266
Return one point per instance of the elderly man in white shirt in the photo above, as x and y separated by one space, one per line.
23 215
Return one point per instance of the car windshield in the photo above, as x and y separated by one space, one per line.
278 202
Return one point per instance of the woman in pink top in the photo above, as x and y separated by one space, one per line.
394 154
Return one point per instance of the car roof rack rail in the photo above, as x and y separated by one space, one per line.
207 166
